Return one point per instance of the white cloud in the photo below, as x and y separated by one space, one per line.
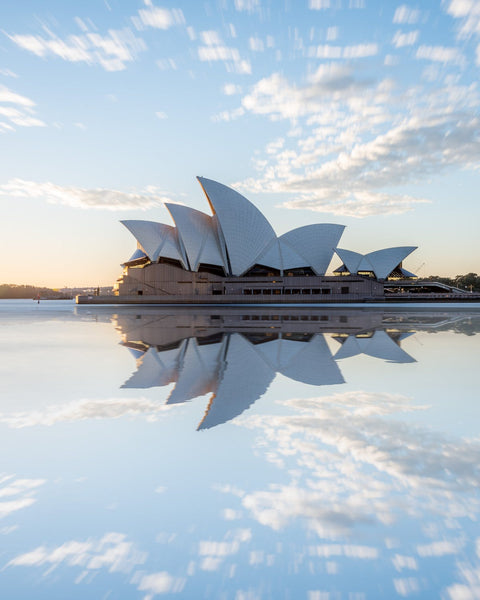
229 89
442 54
401 562
79 410
111 51
347 459
157 17
210 38
406 586
363 136
469 13
229 56
21 114
23 489
79 197
249 6
112 552
405 39
319 4
440 548
406 15
328 52
332 34
256 44
8 73
161 115
160 583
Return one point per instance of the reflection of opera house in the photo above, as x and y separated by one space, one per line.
209 354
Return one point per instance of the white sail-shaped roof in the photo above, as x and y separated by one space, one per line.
245 230
314 243
242 364
198 373
280 255
157 239
380 345
197 232
350 259
384 261
380 262
148 234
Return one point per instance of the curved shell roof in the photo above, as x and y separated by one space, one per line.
197 234
315 243
381 262
244 228
157 239
384 261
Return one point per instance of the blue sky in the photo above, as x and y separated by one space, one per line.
357 112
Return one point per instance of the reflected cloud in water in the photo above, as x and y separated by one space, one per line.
322 491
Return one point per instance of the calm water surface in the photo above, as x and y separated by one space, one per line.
308 453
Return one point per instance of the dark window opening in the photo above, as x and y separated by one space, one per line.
171 261
140 292
247 292
326 291
212 269
263 271
301 272
345 289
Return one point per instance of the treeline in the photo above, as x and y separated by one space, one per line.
469 282
11 291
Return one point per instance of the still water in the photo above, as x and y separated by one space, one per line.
241 454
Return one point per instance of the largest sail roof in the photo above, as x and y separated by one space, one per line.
245 230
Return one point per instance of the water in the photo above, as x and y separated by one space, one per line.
239 453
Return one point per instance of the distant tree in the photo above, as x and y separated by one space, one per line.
9 291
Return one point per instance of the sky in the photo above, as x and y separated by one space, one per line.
358 112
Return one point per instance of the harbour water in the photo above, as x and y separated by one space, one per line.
299 453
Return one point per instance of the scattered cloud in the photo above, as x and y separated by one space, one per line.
157 17
468 11
406 15
111 51
16 494
161 115
327 52
79 197
112 552
249 6
21 114
79 410
214 552
214 49
441 54
346 458
405 39
159 583
256 44
229 89
363 136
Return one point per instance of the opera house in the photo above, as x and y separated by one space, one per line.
233 255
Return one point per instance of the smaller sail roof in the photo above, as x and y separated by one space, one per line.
197 233
380 262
